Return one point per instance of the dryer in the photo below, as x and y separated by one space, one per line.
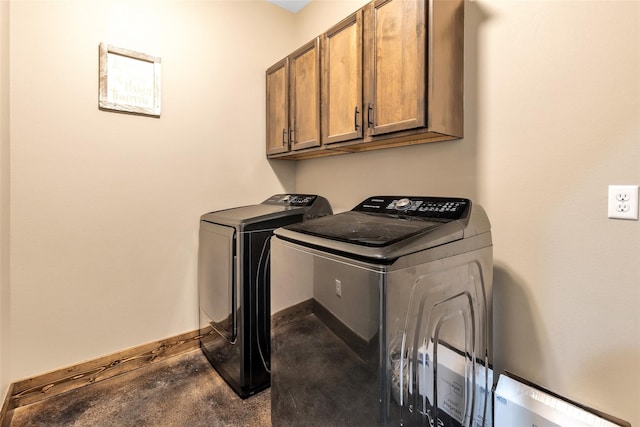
234 285
391 319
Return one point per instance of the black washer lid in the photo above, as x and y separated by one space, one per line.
384 220
363 229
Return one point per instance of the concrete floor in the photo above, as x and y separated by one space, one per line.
322 382
181 391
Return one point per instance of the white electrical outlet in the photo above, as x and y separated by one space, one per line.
338 288
623 201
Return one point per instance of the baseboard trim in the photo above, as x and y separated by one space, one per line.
291 314
56 382
6 413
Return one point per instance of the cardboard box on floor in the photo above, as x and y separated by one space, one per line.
518 402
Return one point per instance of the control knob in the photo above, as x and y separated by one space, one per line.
403 204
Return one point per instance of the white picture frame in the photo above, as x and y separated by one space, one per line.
129 81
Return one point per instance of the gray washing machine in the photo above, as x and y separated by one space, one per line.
384 316
234 285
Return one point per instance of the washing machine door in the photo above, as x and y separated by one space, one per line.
217 277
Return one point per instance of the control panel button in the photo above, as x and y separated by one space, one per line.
403 204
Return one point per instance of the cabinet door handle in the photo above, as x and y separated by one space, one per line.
370 115
355 118
291 136
284 135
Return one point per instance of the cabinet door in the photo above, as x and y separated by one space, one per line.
304 110
278 107
395 73
342 81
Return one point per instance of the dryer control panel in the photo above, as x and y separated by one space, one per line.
291 200
431 208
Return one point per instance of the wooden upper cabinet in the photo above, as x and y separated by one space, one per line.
395 75
293 101
278 107
342 118
304 108
392 75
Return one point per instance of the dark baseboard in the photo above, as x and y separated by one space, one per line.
291 314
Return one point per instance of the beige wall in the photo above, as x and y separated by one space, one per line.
104 206
552 104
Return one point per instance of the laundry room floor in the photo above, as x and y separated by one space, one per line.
181 391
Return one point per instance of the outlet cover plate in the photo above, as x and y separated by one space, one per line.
623 202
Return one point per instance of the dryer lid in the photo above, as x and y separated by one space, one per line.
275 207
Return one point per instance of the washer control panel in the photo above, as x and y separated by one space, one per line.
291 199
431 208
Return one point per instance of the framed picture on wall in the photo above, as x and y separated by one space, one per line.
129 81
